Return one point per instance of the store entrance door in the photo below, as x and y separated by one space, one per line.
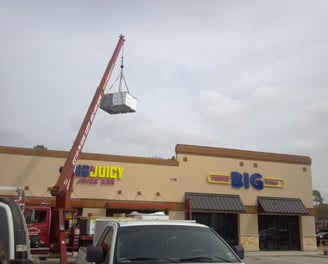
226 225
279 232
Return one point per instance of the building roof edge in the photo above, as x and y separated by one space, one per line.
241 154
88 156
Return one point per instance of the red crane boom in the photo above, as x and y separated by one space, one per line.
63 188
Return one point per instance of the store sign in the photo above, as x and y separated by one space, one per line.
89 174
246 180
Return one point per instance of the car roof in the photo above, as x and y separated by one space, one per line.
139 222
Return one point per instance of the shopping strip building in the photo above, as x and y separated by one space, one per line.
260 200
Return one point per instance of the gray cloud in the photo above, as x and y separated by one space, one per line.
218 73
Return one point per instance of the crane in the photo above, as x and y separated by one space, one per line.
64 186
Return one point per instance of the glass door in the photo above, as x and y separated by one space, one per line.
279 232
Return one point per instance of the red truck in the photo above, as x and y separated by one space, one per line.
38 225
42 232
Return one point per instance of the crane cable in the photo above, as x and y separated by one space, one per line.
120 76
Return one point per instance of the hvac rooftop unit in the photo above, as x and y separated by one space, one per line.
117 103
121 101
150 216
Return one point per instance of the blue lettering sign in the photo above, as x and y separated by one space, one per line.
256 181
239 180
236 179
82 170
246 180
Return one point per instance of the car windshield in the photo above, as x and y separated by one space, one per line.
177 244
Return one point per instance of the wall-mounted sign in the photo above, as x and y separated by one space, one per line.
90 174
246 180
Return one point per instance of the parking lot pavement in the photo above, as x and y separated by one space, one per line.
54 260
288 257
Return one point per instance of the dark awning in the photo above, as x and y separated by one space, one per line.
275 205
214 202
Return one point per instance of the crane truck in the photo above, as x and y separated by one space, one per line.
53 228
64 186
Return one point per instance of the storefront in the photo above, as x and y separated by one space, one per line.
258 199
279 223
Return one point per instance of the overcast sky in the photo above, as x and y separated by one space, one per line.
246 75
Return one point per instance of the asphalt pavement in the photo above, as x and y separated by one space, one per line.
286 257
55 260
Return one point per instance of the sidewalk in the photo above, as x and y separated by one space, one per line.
318 252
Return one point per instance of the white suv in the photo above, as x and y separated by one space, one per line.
14 242
123 241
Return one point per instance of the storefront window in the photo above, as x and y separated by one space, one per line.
226 225
279 232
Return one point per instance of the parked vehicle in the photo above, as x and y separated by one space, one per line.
43 234
14 242
128 240
41 227
322 238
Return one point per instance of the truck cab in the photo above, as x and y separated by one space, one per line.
122 241
14 242
38 219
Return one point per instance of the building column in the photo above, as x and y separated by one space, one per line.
248 232
308 238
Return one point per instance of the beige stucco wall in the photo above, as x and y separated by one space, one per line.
193 175
94 212
37 172
171 182
176 215
40 172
